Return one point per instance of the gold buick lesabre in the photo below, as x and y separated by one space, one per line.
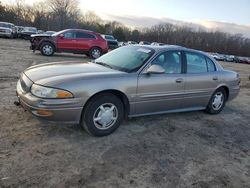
127 82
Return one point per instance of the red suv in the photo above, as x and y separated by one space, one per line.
76 41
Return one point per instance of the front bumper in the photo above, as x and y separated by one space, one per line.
56 110
3 34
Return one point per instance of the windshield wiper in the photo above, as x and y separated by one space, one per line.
104 64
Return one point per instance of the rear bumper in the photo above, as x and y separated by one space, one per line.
56 110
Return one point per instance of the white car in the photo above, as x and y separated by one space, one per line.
6 29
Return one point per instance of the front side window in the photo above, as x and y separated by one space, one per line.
170 61
196 63
69 35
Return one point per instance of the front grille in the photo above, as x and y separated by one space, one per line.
2 31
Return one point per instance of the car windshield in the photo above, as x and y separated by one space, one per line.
127 59
5 25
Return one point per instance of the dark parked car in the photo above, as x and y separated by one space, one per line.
130 81
19 30
71 40
27 32
112 42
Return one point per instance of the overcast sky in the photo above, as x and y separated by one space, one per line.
226 15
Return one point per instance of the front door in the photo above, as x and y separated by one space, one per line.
161 92
67 42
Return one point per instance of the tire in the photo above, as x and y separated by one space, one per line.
217 101
47 49
95 52
102 115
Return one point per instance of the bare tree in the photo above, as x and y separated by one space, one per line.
64 11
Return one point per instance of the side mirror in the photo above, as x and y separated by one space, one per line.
61 35
155 69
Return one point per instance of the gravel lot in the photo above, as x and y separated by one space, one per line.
174 150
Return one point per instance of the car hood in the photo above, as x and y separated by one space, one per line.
50 74
40 35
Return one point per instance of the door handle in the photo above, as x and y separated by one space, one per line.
179 80
215 78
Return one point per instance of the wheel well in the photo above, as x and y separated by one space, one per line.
118 94
47 41
226 90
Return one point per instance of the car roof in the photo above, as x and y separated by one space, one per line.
162 48
159 49
84 30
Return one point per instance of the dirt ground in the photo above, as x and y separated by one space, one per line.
191 149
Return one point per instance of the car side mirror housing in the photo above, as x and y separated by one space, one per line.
61 35
155 69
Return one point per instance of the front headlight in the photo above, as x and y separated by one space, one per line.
46 92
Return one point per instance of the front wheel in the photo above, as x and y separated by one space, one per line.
102 115
217 102
47 49
95 52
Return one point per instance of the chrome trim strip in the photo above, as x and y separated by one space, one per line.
169 111
172 94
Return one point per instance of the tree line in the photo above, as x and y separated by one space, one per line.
62 14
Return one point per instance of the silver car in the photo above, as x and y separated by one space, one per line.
130 81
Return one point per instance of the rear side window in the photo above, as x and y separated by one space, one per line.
82 35
210 65
196 63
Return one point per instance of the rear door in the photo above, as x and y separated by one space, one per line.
84 40
201 80
162 92
67 42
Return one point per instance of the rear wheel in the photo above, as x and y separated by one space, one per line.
217 101
47 49
95 52
102 115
